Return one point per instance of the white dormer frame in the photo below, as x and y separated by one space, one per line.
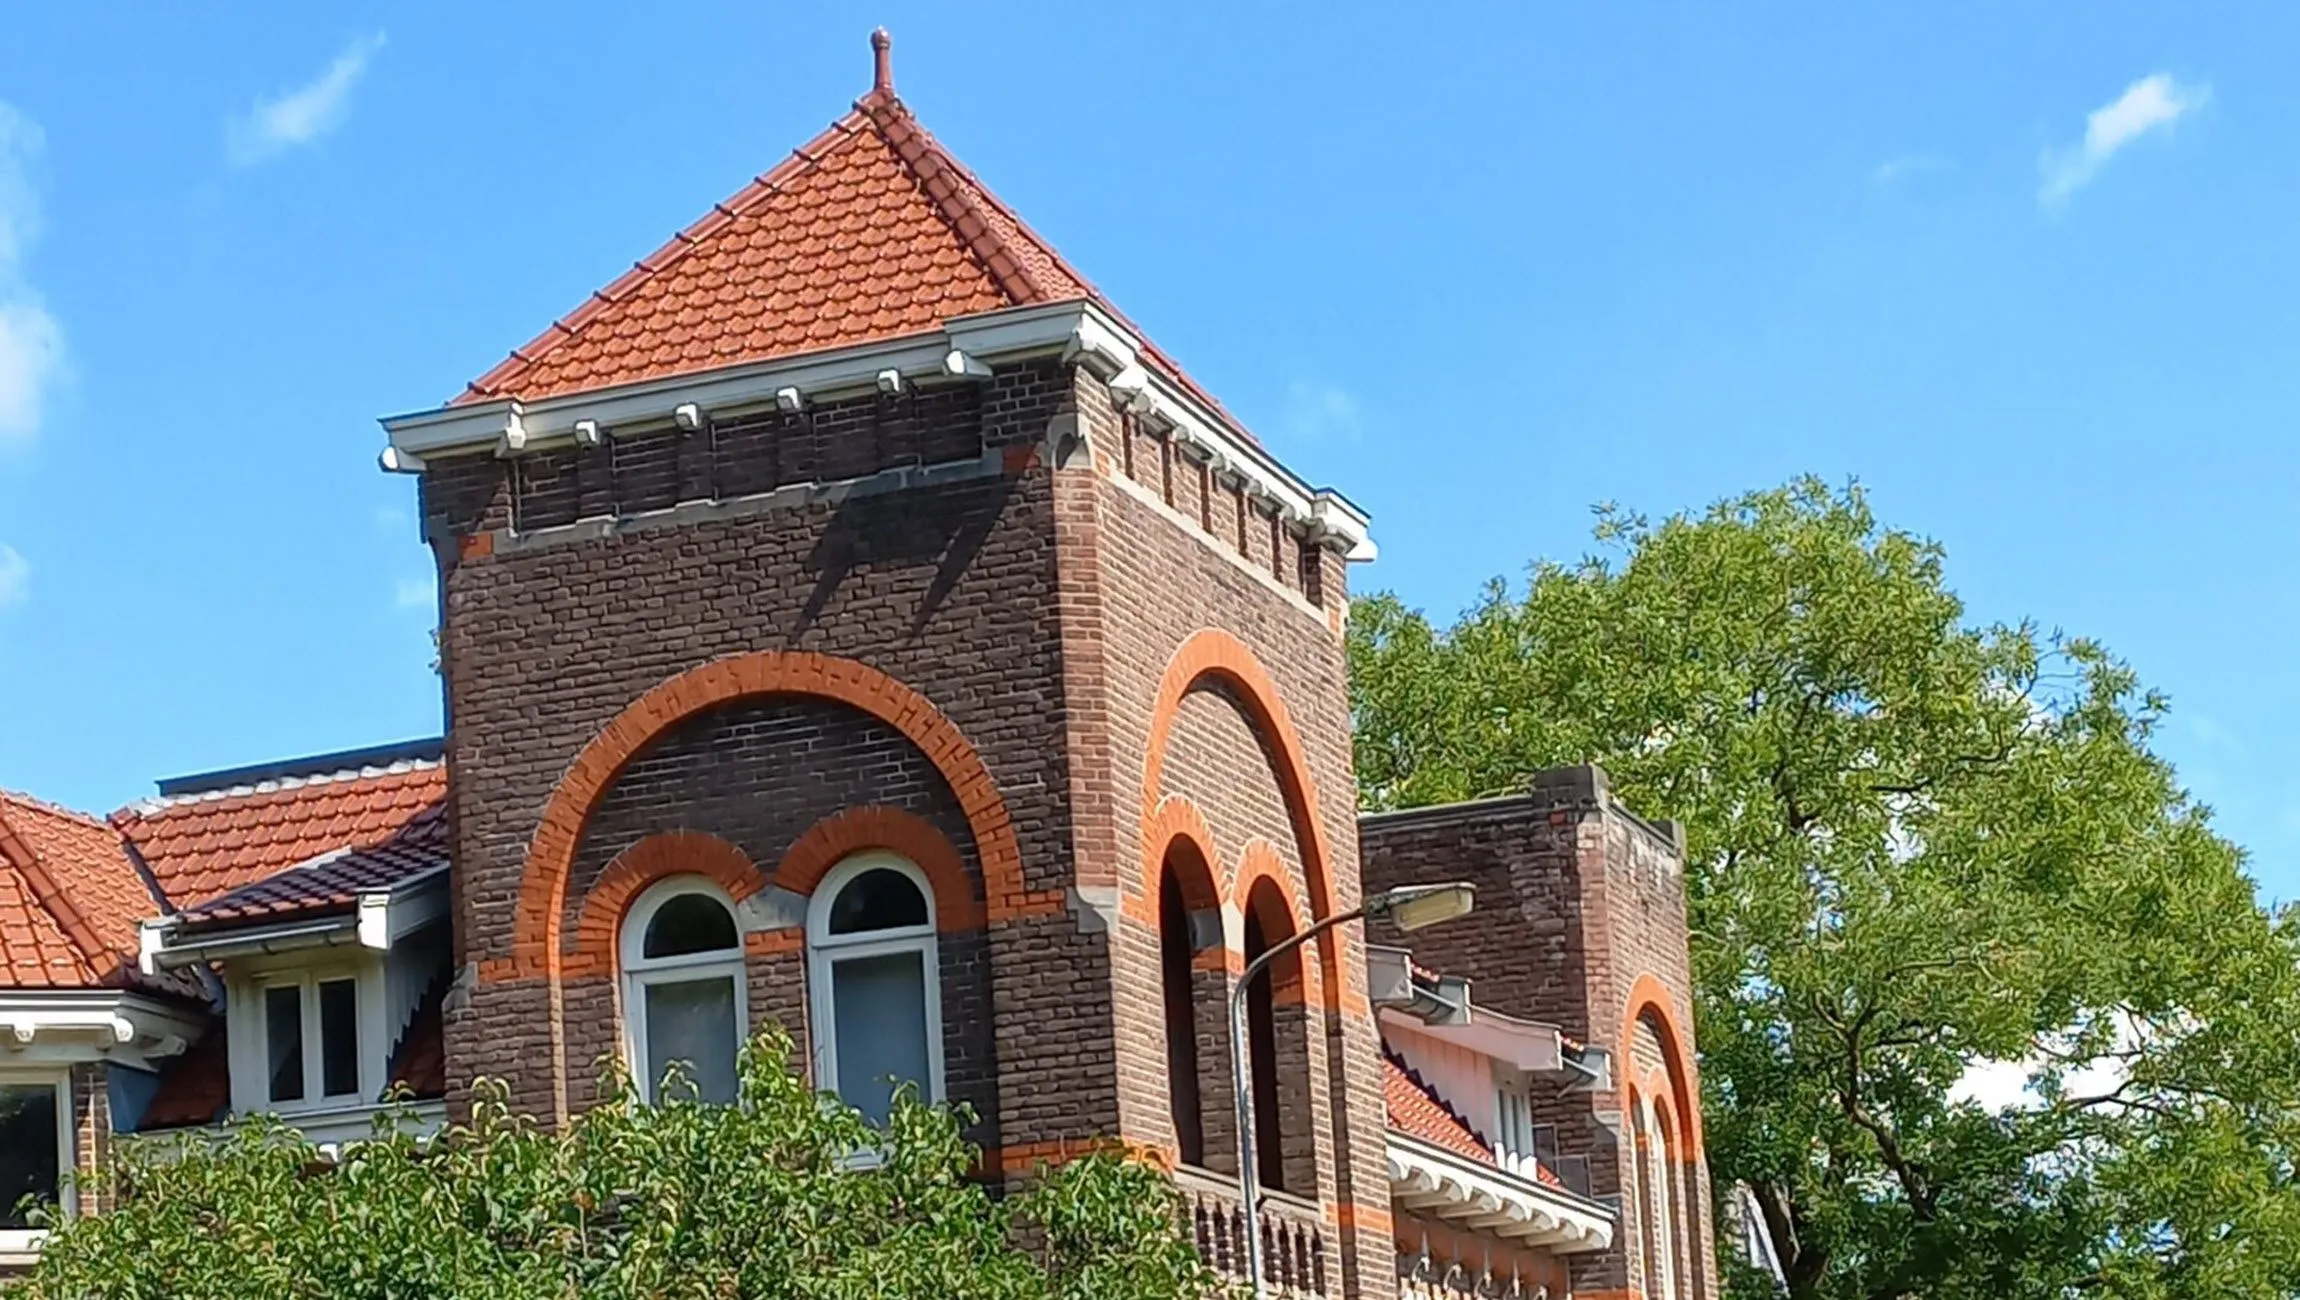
1078 331
247 1028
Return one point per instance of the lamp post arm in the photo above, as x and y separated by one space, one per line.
1242 1085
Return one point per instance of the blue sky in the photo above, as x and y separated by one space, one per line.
2032 274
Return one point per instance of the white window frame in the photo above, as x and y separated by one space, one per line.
825 950
639 970
26 1242
249 1026
1513 1125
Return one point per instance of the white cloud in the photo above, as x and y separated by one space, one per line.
296 117
31 343
1905 167
412 593
2152 102
15 577
1319 410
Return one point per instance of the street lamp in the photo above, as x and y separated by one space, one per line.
1408 907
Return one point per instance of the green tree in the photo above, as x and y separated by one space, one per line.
1917 846
763 1200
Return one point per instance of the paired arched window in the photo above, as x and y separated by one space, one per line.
872 967
1262 1060
875 983
683 986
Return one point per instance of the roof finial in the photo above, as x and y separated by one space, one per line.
882 48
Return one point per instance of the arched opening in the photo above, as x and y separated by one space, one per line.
1177 983
1276 1048
683 987
876 979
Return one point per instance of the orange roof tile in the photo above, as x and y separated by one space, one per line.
1416 1111
70 899
870 231
203 846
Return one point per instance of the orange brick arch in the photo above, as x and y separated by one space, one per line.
657 857
1260 888
551 853
1648 996
1214 654
843 834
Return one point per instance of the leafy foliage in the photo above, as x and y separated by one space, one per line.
1917 847
763 1200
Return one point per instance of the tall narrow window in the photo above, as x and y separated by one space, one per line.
34 1139
1661 1264
1262 1060
1181 1021
683 987
874 971
1513 1128
283 1040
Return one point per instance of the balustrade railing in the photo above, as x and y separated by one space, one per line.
1293 1233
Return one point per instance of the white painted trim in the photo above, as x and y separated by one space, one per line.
83 1025
378 919
639 970
1485 1198
25 1243
825 950
249 1029
329 1128
1527 1045
1078 330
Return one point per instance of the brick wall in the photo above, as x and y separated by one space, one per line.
1580 912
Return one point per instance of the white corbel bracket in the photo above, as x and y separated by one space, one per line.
1132 391
890 382
961 366
688 416
790 401
589 434
1093 344
513 439
395 461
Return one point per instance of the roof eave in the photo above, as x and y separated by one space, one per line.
375 919
1078 329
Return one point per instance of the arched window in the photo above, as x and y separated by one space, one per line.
1661 1269
1262 1061
683 986
1177 981
875 983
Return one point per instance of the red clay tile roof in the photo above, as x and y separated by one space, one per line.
870 231
201 847
1416 1111
334 880
420 1060
70 899
195 1088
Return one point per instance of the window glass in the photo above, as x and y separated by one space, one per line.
878 899
693 1021
689 923
879 1009
283 1040
28 1148
339 1038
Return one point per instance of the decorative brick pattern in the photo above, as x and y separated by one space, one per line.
657 857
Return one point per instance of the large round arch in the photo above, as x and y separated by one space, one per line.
1212 653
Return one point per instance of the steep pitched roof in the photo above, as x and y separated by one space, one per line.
870 231
70 899
205 845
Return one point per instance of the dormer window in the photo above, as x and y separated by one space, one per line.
308 1036
311 1040
683 986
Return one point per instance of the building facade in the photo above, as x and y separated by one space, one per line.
850 620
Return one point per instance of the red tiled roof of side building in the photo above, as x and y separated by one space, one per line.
195 1088
70 899
1416 1111
869 232
203 846
333 881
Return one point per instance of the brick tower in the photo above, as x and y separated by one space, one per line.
850 620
